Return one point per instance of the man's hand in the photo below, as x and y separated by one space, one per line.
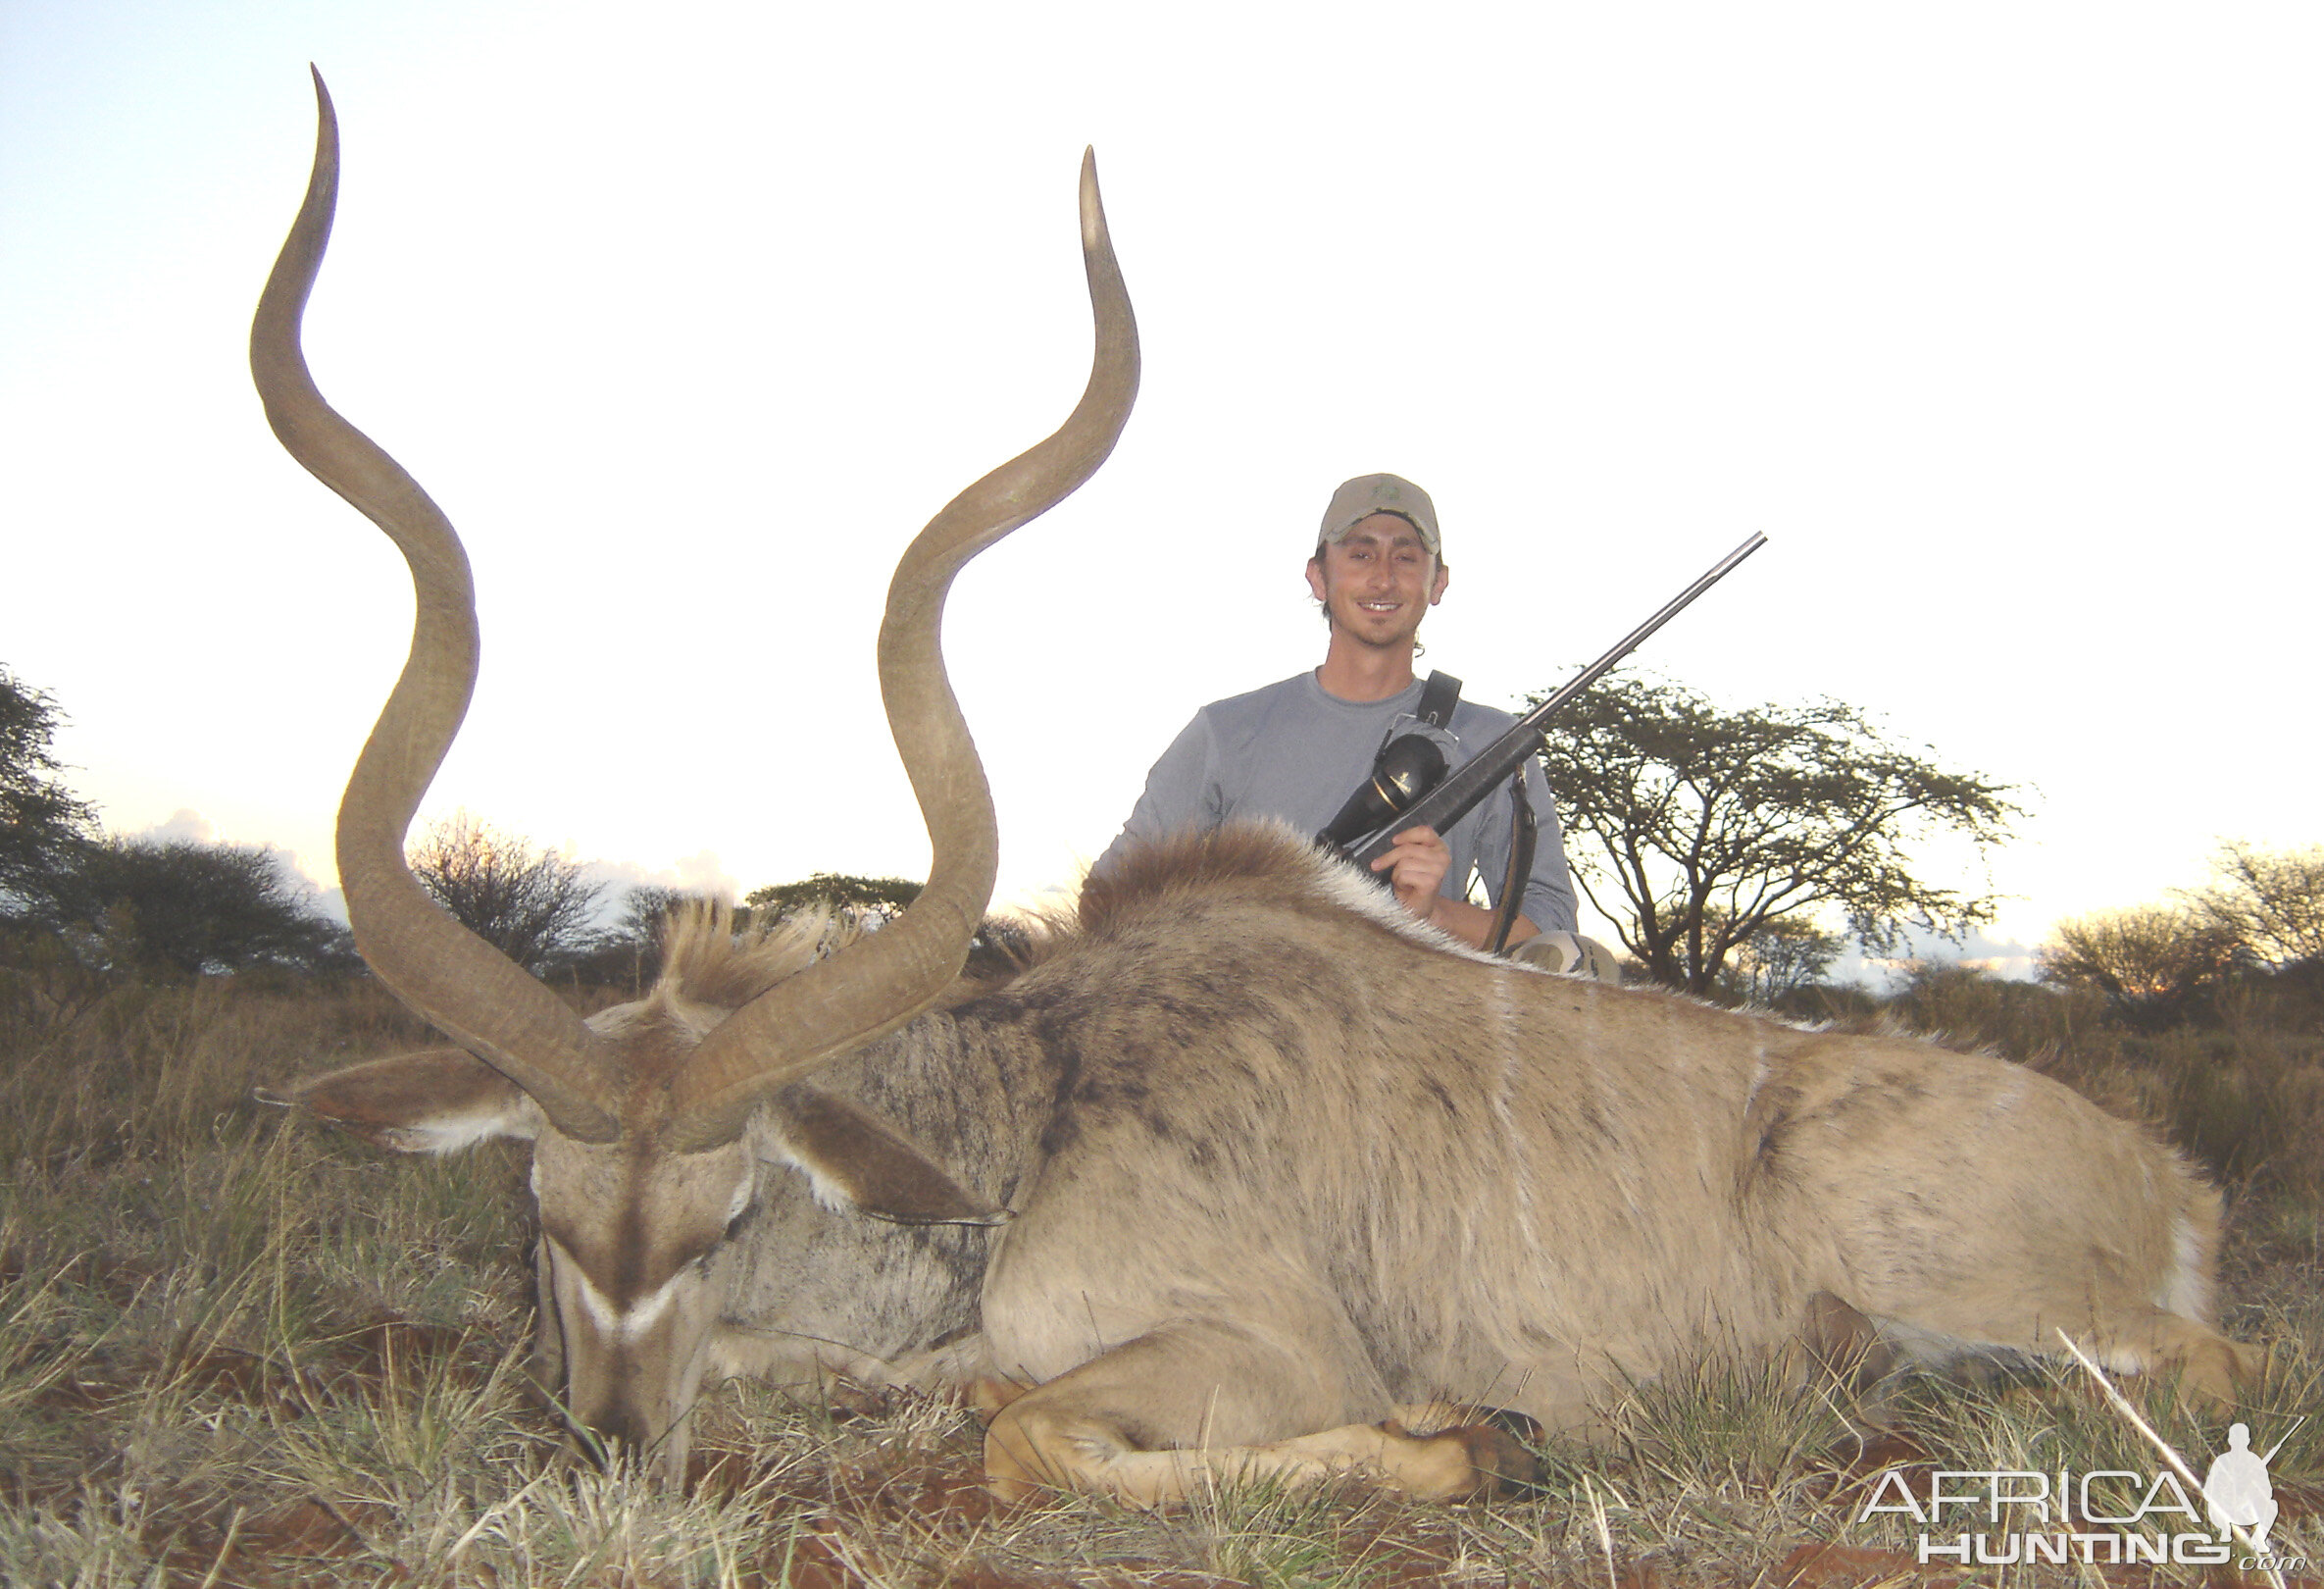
1416 862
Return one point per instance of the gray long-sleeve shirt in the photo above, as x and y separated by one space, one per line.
1296 752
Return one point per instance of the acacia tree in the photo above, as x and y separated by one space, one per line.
531 904
2272 901
42 824
872 899
1698 827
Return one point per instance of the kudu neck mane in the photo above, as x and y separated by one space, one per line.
1257 860
707 964
705 961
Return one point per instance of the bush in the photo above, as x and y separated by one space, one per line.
531 904
2029 1022
2156 964
1786 955
174 907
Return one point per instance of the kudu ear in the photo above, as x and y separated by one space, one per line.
435 1100
854 1161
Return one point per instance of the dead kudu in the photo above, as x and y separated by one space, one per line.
1241 1176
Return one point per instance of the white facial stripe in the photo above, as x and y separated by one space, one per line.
742 1198
623 1324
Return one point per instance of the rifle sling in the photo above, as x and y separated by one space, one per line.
1524 829
1438 698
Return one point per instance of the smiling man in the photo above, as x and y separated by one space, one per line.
1299 748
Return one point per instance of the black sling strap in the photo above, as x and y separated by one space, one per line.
1524 828
1438 698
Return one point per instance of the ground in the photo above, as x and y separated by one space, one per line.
236 1350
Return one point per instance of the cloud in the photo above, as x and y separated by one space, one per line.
2005 957
700 873
184 826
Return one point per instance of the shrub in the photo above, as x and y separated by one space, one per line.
2155 964
531 904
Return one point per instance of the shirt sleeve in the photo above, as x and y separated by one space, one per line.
1550 899
1182 792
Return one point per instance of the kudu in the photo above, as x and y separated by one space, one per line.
1247 1171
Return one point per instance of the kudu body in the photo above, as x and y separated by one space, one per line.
1246 1172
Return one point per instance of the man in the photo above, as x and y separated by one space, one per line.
1299 748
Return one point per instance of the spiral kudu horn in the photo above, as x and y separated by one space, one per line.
454 978
885 979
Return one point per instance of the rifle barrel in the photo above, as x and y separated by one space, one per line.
1469 783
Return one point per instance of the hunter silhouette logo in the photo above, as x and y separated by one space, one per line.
2237 1490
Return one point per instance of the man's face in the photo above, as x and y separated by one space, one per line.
1377 582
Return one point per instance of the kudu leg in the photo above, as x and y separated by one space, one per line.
1139 1424
2122 1336
1843 1346
2148 1340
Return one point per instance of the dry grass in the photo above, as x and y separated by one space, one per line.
236 1351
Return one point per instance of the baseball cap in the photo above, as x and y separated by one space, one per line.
1366 495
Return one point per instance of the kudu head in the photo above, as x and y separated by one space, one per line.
652 1124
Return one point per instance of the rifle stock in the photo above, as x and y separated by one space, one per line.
1469 783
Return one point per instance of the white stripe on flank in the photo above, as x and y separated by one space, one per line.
2183 1290
1513 1145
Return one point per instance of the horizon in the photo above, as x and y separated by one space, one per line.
1976 949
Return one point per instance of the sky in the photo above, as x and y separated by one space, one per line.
2001 321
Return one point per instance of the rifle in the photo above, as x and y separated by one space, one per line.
1405 793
